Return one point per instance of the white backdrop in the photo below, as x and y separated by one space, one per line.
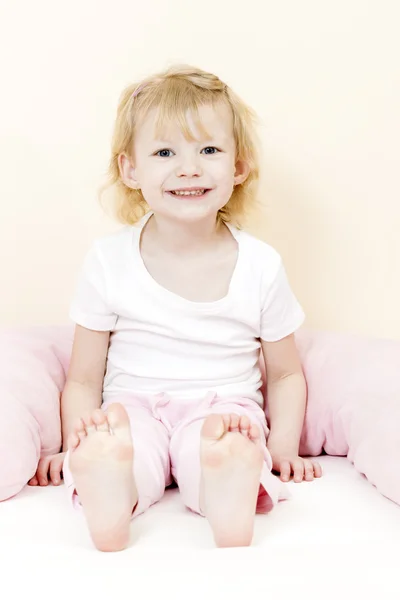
324 78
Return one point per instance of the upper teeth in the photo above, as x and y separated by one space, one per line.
189 193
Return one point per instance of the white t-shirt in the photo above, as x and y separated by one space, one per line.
161 342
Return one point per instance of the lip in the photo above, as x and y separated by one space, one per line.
189 189
189 197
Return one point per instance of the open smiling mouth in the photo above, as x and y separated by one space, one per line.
194 193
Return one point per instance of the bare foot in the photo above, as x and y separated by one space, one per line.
231 460
101 459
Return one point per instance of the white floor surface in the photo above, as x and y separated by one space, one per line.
336 538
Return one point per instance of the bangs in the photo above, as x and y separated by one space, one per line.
175 100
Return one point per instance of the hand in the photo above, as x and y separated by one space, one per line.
303 469
49 468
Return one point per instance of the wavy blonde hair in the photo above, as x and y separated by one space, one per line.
175 92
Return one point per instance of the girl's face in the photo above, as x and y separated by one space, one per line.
187 180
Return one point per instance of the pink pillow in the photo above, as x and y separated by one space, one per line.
33 362
353 402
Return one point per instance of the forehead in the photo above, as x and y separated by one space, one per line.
207 121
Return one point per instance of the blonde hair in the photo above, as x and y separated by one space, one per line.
175 92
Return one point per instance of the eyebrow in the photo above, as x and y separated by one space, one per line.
220 140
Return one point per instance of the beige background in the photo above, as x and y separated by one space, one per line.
324 78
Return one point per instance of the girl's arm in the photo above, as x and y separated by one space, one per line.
286 392
84 386
287 396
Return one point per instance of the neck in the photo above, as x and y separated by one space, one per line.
173 236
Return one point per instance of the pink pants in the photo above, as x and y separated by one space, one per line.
166 437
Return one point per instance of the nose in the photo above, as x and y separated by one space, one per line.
189 166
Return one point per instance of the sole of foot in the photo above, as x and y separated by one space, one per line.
101 463
231 460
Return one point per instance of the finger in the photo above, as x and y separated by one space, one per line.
285 470
298 470
308 470
43 469
55 470
33 481
317 468
55 477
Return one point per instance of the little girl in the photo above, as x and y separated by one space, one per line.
171 313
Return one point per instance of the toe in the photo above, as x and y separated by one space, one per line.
79 425
254 432
244 425
80 431
73 441
100 420
214 427
81 435
227 421
118 421
89 424
235 420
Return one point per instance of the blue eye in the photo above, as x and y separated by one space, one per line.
210 150
164 153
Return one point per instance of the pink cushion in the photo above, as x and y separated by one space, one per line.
33 362
353 402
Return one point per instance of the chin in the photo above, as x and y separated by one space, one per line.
189 212
196 216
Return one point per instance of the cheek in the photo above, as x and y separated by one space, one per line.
223 175
152 176
224 169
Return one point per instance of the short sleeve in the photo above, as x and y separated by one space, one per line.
89 306
281 314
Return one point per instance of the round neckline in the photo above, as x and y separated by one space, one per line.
176 298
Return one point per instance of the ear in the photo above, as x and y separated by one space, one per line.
127 171
242 171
